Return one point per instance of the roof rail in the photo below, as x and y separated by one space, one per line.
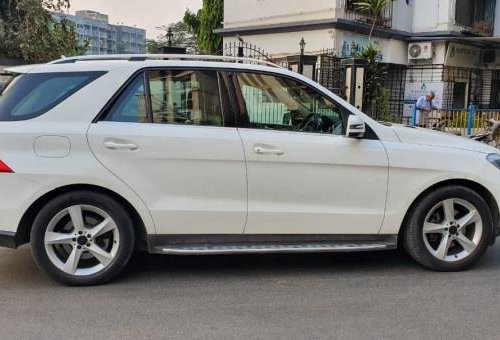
143 57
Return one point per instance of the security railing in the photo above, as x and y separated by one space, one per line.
465 122
352 12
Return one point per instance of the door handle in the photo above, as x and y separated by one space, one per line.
260 150
114 145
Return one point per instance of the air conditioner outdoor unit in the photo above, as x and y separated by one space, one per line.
420 51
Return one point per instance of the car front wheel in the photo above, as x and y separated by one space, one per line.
82 238
449 229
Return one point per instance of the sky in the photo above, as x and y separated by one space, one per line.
147 14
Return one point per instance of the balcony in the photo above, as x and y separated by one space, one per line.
476 17
355 14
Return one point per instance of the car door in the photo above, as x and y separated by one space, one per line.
304 176
168 136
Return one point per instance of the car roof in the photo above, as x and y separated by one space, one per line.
137 62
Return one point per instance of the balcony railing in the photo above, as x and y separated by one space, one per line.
352 12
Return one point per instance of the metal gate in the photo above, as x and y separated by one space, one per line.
245 50
331 73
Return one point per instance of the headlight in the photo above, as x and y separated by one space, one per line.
494 159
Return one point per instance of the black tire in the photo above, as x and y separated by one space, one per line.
413 235
106 203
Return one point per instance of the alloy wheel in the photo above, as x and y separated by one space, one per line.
82 240
452 230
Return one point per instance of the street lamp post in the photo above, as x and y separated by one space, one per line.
169 48
302 45
302 63
170 37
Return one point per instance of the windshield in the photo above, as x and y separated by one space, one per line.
31 95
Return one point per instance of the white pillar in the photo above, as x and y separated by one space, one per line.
496 32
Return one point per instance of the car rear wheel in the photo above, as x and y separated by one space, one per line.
82 238
449 229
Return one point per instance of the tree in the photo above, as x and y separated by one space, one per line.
375 76
152 45
204 22
192 20
181 37
374 8
29 31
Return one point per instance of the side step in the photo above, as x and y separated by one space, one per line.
265 248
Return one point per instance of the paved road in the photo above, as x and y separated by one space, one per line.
313 296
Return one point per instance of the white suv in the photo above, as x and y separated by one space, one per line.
215 155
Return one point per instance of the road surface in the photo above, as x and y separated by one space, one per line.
306 296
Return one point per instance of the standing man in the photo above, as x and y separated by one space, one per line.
425 106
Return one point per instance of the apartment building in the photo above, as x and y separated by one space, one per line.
106 38
449 46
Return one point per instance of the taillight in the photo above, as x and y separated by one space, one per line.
4 168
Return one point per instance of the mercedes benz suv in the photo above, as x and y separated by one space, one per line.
192 155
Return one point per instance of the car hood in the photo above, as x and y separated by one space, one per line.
421 136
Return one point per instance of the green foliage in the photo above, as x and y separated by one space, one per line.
28 31
182 37
192 20
152 45
383 109
204 22
374 80
383 106
373 8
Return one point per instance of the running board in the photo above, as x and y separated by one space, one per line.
266 248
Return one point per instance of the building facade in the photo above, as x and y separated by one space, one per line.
449 46
105 38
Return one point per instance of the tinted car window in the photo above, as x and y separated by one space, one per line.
31 95
185 97
281 103
131 105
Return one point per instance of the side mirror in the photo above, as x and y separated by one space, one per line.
355 127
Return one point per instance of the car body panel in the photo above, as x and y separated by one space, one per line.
415 168
426 137
317 186
192 178
36 176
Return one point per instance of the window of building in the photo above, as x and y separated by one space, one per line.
479 16
185 97
495 90
284 104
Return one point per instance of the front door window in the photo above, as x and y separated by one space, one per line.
278 103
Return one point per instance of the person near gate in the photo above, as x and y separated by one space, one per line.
425 106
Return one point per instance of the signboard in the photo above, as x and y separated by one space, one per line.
413 91
408 109
359 42
462 55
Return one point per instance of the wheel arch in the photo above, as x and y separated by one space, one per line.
476 187
26 222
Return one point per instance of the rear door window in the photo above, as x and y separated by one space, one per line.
189 97
31 95
131 105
